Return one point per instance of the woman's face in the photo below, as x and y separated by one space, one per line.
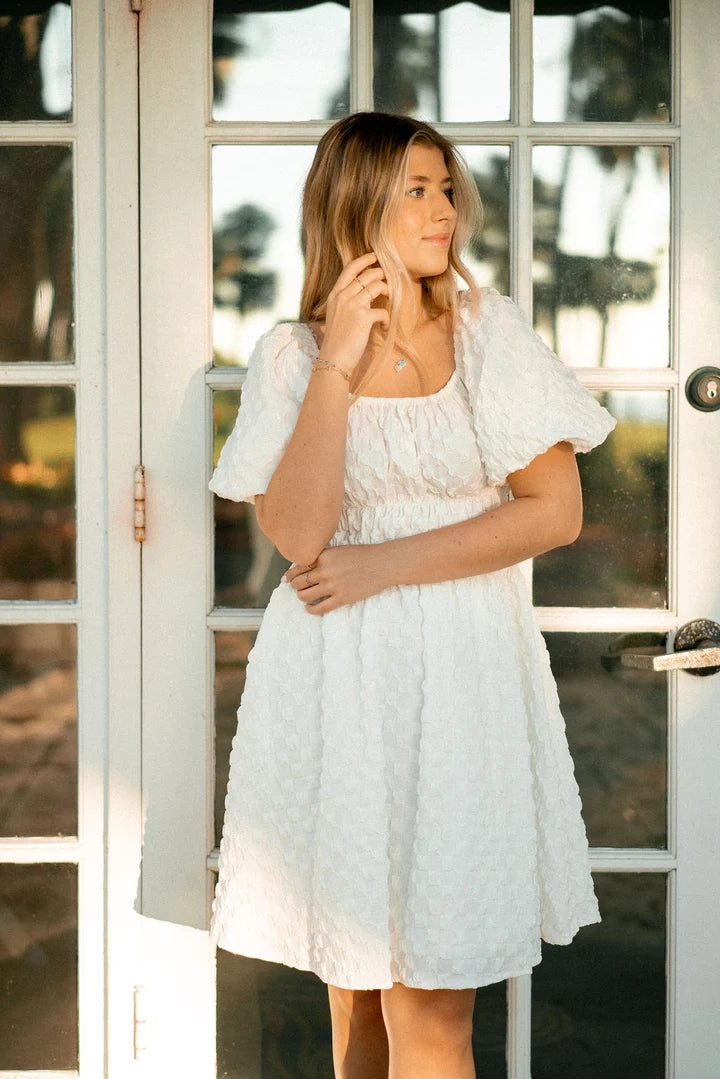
425 222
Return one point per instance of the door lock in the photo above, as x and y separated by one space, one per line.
702 389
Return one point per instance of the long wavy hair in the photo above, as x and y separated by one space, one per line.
352 194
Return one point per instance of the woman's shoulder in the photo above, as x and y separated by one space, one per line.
486 304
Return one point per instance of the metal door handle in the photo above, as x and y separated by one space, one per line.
697 651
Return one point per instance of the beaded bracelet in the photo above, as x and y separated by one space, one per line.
325 365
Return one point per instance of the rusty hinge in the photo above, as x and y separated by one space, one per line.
139 1021
140 503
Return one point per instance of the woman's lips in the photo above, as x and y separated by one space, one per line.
441 240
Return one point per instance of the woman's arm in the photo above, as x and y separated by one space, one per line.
546 512
300 510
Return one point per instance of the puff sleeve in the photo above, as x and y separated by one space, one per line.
273 391
524 399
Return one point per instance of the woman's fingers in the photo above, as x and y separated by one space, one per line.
352 269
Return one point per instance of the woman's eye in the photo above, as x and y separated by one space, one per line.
449 193
417 192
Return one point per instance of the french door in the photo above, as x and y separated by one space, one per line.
177 156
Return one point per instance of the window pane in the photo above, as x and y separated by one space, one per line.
489 256
604 63
601 278
443 62
231 656
617 730
36 62
599 1003
38 730
283 64
37 492
257 263
247 565
620 558
36 247
38 967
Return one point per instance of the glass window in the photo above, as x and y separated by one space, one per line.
601 267
288 64
38 968
620 558
231 657
257 262
489 255
36 62
36 248
37 492
602 62
38 730
616 720
598 1004
443 63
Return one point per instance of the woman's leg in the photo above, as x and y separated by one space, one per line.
429 1032
359 1040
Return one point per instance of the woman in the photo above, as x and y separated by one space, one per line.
402 816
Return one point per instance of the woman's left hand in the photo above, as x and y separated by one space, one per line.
340 576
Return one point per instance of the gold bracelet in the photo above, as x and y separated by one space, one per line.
325 365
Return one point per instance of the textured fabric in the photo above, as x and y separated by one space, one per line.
402 805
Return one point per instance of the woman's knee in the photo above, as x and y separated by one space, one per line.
355 1005
437 1016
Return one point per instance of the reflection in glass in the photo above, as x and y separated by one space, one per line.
274 1021
257 263
599 1003
601 253
441 62
36 68
620 558
38 968
604 63
281 65
248 567
37 492
38 730
617 730
489 255
231 657
36 246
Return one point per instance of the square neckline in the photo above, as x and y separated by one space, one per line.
383 397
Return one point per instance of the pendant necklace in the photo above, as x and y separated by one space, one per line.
399 364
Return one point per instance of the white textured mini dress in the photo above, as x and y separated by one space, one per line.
402 805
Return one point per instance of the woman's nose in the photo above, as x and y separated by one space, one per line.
443 209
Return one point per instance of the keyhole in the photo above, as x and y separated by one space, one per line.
712 390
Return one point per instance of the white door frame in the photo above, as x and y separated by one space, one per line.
176 296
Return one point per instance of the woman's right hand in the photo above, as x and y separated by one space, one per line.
350 315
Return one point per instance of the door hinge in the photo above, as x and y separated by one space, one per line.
139 1021
140 503
136 6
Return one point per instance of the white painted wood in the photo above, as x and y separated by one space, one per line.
178 974
697 958
123 766
519 1018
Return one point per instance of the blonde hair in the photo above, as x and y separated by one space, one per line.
352 194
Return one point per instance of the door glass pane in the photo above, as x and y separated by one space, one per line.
38 967
37 492
621 556
599 1003
36 62
36 242
443 62
231 656
601 278
248 567
291 63
617 731
602 62
488 256
257 263
38 730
